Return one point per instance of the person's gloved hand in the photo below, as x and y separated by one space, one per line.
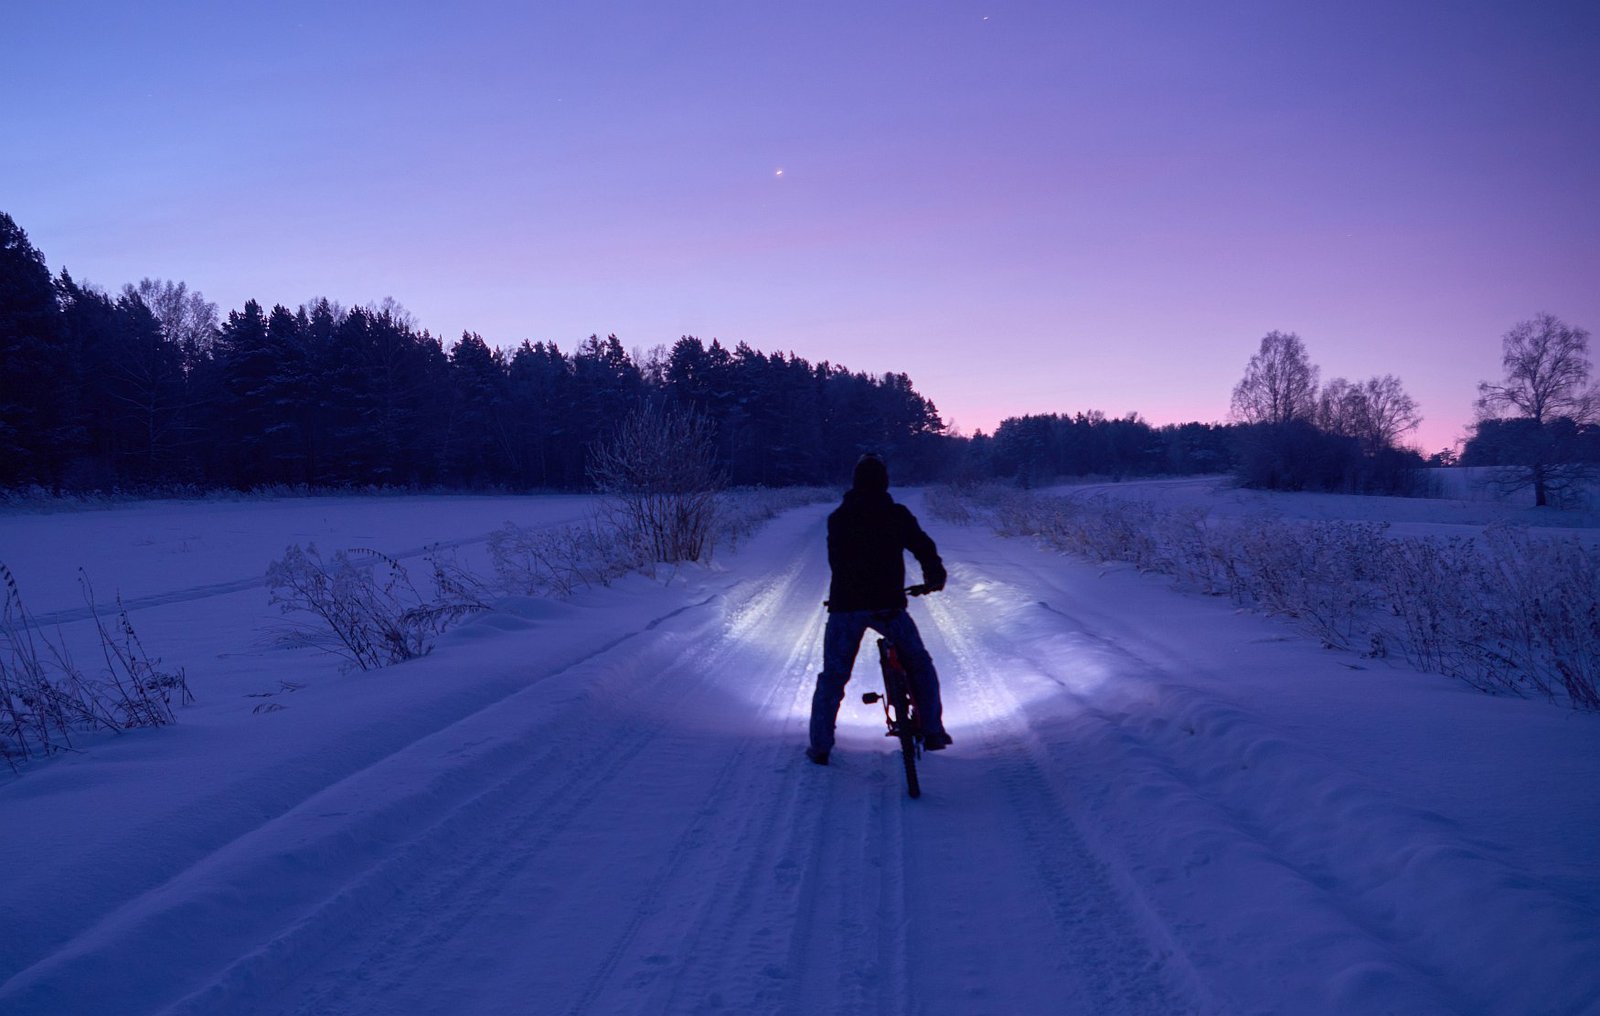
934 579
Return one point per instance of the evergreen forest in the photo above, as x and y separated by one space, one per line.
151 389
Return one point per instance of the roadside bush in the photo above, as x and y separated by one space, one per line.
366 607
1440 598
1508 612
45 696
1322 574
949 503
556 561
1550 616
659 476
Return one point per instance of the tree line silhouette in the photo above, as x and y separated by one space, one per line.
149 388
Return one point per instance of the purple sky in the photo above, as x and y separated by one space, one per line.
1028 207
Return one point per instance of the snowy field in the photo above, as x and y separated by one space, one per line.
1156 803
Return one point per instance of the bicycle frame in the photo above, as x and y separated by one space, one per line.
899 711
899 702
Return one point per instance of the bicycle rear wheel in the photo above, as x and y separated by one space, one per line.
903 723
905 727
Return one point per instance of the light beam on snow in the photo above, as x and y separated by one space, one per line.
1008 650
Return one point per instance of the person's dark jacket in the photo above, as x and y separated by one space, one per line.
868 536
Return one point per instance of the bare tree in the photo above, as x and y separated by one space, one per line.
1547 372
332 309
1375 412
395 311
187 318
1279 384
1390 411
659 472
1341 408
1547 386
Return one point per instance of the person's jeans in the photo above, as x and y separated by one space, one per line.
840 643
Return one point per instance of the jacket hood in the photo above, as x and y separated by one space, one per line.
870 474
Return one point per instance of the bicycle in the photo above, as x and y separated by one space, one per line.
900 703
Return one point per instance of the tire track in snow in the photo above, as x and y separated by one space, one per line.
443 787
1294 811
851 937
735 947
745 909
832 920
1239 802
602 756
753 881
666 884
897 993
1120 960
486 869
468 869
1304 891
454 866
192 594
1175 801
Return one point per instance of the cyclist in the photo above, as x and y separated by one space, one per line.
868 535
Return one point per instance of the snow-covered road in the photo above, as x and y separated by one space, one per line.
1154 805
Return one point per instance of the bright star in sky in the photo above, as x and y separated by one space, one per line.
1102 207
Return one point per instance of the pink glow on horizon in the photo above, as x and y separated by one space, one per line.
1026 208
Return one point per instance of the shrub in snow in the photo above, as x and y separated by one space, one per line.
659 476
1549 616
558 560
949 503
1509 612
45 695
1440 598
365 606
1323 574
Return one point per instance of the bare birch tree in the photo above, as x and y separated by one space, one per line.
1375 412
187 318
1279 384
1546 386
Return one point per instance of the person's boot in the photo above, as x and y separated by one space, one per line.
819 757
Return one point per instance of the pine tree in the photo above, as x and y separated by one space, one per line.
246 365
607 385
539 380
145 379
288 393
31 360
479 421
